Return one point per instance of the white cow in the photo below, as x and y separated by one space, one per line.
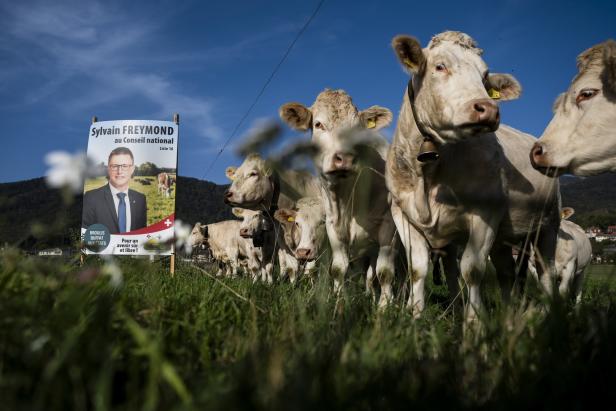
225 244
581 138
258 229
165 181
304 230
573 254
351 163
482 192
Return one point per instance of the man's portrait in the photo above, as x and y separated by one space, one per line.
115 205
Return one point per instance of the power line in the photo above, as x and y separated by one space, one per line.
284 57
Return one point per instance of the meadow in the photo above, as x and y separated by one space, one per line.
74 337
159 207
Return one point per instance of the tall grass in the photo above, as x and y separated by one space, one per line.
69 339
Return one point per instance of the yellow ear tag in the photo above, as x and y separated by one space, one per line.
407 62
290 219
494 94
371 123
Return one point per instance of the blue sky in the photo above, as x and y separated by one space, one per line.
63 62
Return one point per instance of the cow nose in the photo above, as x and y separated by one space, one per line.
537 155
303 253
228 194
485 111
243 232
343 161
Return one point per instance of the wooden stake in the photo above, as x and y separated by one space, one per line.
176 120
82 255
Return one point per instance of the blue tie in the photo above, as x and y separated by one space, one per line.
122 212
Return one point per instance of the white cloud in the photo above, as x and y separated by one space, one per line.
92 47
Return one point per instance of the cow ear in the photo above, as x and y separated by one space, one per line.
296 115
503 87
238 212
376 117
566 212
609 60
409 52
230 172
285 216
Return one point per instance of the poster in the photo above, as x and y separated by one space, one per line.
129 208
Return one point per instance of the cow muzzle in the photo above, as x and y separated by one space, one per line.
540 162
341 164
305 254
245 233
483 115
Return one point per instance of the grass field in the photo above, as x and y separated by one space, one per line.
70 339
159 207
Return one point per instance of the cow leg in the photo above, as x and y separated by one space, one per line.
385 270
452 270
417 256
545 252
340 258
504 263
576 287
567 274
370 273
419 264
474 259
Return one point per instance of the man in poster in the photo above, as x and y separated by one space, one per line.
114 205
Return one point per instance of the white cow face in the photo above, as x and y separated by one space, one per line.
581 137
339 131
198 235
251 222
252 186
304 228
454 94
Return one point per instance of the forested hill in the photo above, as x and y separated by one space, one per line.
30 211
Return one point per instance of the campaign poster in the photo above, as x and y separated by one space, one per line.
129 208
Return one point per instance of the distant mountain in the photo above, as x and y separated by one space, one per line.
35 216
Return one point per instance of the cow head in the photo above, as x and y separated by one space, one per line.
304 228
252 184
454 95
199 236
339 130
254 224
581 137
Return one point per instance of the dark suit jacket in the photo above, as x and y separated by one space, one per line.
99 208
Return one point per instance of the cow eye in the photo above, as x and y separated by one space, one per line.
586 94
319 125
441 67
252 174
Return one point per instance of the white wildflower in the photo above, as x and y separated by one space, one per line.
182 236
113 271
67 170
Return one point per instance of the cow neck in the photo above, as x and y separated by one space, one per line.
422 170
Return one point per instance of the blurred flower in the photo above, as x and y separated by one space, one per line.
112 270
67 170
182 236
263 133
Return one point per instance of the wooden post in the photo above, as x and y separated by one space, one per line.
176 120
82 255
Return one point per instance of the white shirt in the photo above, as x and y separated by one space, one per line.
116 201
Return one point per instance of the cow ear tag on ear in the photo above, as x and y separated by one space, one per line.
290 219
371 123
494 94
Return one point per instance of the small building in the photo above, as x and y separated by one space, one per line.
50 251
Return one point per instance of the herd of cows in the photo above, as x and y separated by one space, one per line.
454 182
